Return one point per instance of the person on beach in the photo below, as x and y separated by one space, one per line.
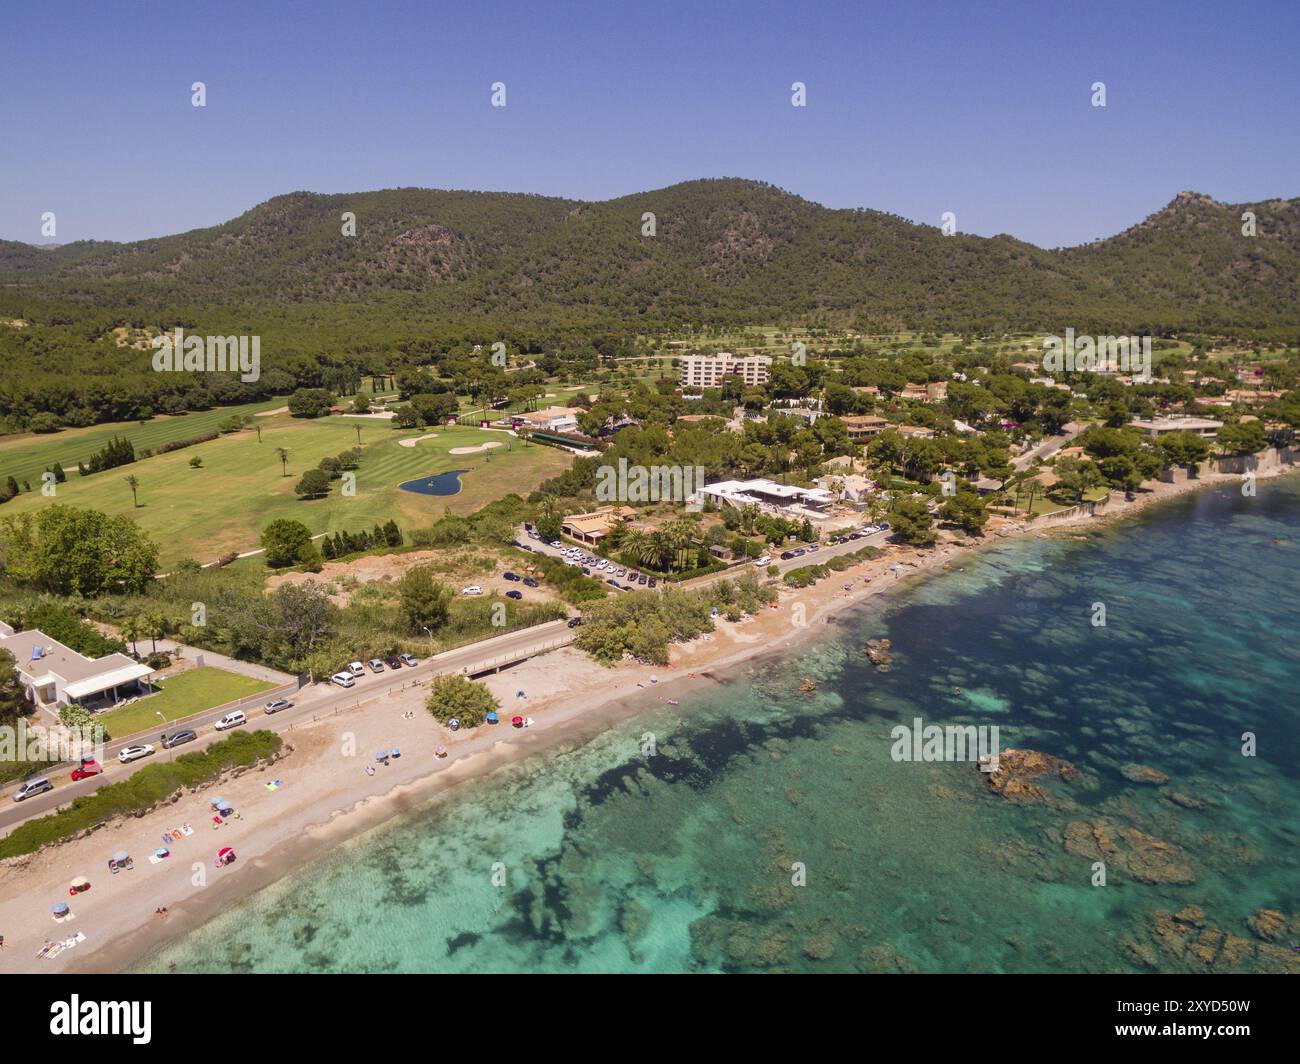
2 942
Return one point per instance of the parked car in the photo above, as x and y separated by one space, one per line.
32 787
473 589
814 549
611 580
134 752
88 767
621 573
764 560
408 660
356 668
884 526
343 679
556 544
231 720
376 665
514 594
654 582
855 535
786 555
586 571
641 579
574 622
177 738
530 582
393 661
278 705
510 576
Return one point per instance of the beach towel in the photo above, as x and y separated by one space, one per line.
155 859
274 785
187 830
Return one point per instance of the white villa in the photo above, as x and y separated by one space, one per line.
52 674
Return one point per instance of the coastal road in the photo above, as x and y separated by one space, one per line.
312 701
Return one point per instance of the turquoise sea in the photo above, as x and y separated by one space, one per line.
603 859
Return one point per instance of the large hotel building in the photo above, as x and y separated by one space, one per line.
711 371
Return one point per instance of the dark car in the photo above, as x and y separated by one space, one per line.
654 582
177 738
855 535
393 662
514 594
884 525
511 576
530 582
614 582
586 571
574 622
641 579
786 555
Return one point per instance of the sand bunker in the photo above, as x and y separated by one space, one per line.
416 439
473 450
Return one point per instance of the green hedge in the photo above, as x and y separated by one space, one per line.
142 791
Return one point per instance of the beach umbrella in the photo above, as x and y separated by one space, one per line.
80 883
518 722
61 908
121 857
492 718
162 851
217 802
382 755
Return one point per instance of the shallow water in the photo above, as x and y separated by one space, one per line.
601 858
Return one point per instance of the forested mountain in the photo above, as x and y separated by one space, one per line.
431 273
723 250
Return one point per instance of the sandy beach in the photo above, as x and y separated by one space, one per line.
325 794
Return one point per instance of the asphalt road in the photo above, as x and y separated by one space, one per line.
307 703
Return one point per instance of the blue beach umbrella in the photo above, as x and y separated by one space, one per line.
492 718
61 908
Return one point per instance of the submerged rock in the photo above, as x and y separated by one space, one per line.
1144 857
1144 774
1268 924
877 650
1018 769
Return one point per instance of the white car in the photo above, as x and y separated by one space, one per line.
473 589
572 561
556 544
134 753
765 560
343 679
231 720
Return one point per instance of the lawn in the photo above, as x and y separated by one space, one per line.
26 456
186 693
224 505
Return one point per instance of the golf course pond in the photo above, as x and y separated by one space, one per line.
439 484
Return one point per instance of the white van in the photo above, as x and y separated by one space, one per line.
343 679
231 720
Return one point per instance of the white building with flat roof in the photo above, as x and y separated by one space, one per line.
784 500
52 674
712 371
1160 426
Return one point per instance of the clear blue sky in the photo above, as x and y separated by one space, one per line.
914 108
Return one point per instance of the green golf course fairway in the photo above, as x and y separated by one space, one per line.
224 505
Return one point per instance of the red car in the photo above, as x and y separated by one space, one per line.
89 767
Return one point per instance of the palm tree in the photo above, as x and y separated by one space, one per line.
635 545
131 629
134 484
678 537
1035 487
284 461
748 515
154 626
